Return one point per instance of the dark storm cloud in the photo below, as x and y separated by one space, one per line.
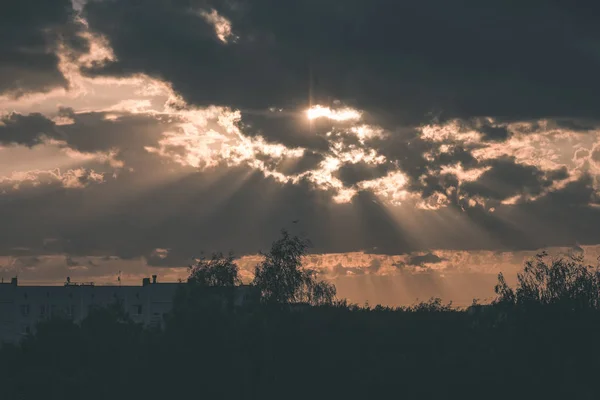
402 60
27 130
557 174
89 132
31 32
350 174
405 147
308 161
506 178
291 130
494 133
457 154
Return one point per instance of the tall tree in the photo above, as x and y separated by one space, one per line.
218 271
282 279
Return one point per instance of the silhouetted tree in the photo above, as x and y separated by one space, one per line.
282 279
506 295
218 271
562 282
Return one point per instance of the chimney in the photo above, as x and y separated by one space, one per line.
145 281
153 278
14 281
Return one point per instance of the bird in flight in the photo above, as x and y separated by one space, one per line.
295 221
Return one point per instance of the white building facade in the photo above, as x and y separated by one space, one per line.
22 307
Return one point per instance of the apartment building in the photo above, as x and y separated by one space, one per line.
22 307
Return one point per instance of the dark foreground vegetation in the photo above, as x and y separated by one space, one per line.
539 340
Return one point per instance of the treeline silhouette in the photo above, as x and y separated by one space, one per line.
295 340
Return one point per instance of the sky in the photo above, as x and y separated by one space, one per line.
422 146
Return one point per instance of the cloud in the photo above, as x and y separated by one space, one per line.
85 132
428 258
495 133
595 156
351 174
72 178
26 130
506 178
32 34
400 61
221 24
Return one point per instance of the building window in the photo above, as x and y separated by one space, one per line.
137 309
156 320
70 311
25 310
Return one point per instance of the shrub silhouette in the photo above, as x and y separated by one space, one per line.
565 283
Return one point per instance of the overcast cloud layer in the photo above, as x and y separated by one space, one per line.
154 130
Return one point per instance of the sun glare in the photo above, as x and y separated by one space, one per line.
343 114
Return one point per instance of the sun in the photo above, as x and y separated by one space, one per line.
342 114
